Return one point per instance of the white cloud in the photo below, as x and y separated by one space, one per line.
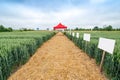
26 16
87 17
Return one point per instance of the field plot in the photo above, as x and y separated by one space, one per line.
111 65
59 59
17 47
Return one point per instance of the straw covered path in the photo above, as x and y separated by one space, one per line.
59 59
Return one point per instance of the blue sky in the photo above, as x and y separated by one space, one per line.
48 13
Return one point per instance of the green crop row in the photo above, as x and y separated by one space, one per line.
17 47
111 65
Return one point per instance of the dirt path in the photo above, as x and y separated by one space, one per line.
59 59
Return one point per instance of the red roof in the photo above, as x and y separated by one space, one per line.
60 26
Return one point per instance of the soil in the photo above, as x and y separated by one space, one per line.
59 59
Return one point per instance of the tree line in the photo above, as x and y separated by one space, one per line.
3 29
25 29
96 28
9 29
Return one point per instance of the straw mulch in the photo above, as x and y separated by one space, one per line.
59 59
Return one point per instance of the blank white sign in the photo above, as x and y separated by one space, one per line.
86 37
77 35
73 34
106 45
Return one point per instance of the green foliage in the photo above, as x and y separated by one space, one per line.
111 65
3 29
81 29
105 28
108 28
96 28
76 28
25 29
17 47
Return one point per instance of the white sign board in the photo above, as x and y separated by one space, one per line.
86 37
106 45
77 35
73 34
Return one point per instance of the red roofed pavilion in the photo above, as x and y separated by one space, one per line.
60 27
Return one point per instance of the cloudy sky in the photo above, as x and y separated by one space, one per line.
48 13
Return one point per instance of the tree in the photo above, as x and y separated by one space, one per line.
76 29
96 28
10 29
37 28
2 28
47 29
108 28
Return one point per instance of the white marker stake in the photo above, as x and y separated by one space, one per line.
77 35
106 45
70 31
86 37
73 34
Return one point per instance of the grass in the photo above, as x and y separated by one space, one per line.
111 65
17 47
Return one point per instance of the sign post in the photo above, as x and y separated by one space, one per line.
107 45
86 37
103 55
